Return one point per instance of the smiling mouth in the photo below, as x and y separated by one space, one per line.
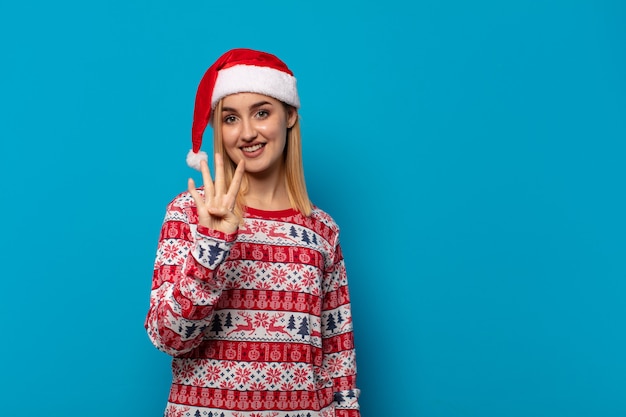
253 147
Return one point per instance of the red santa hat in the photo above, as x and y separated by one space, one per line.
238 71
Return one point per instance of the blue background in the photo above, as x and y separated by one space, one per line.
472 152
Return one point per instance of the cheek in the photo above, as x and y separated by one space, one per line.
229 142
229 136
273 130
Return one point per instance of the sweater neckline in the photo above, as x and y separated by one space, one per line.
271 214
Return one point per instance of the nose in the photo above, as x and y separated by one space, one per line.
248 131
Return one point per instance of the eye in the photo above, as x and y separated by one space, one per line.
229 119
262 114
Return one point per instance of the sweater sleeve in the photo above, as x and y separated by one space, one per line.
339 359
186 285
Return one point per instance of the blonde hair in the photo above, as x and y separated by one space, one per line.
294 170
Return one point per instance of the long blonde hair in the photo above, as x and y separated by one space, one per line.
294 170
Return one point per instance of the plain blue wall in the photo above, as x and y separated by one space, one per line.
472 152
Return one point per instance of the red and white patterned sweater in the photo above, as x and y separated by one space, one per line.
258 322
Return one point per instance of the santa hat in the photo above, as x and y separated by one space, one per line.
238 71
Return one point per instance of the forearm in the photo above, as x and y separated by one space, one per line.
338 340
340 364
187 286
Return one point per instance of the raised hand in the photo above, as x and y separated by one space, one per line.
215 209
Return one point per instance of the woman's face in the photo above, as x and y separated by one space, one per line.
254 128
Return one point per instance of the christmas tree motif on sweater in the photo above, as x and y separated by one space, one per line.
216 324
214 254
330 323
304 327
305 237
339 318
229 320
190 330
338 397
292 323
210 255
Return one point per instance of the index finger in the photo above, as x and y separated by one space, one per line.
191 187
207 180
236 182
219 174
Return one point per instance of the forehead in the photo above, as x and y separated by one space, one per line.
247 100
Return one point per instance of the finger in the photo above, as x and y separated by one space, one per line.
191 186
229 221
219 174
220 212
235 184
209 190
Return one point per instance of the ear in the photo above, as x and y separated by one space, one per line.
292 117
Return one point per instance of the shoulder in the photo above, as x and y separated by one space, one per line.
320 215
182 208
183 201
323 224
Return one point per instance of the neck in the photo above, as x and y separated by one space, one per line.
265 194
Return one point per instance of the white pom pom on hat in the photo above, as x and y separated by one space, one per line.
238 71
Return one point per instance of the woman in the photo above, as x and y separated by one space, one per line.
249 292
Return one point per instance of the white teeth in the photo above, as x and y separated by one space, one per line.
253 148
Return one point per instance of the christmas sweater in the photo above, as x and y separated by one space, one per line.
258 322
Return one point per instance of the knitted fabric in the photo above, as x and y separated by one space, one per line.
258 322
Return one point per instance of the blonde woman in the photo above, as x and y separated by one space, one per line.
250 294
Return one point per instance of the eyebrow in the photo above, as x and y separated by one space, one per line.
254 106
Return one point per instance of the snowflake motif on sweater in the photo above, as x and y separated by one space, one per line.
258 322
